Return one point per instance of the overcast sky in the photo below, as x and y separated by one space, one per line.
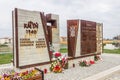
103 11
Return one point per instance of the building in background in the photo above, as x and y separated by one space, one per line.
6 40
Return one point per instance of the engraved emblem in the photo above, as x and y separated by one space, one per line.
72 31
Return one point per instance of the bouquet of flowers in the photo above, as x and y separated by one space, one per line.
64 62
56 67
20 76
28 74
59 63
84 63
5 77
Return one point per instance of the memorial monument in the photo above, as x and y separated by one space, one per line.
84 38
31 37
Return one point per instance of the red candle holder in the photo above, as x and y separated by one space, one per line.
45 71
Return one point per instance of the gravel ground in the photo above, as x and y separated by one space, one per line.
78 73
113 76
6 68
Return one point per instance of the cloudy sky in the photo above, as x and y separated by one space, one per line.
103 11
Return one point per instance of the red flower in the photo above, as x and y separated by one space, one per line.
57 67
57 54
92 62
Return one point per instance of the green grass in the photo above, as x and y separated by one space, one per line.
63 50
5 58
3 45
114 51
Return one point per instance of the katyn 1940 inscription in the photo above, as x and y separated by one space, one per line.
30 41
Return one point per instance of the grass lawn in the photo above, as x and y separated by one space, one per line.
114 51
63 50
5 58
